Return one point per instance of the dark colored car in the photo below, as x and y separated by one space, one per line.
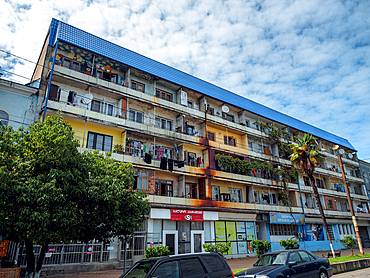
289 263
197 265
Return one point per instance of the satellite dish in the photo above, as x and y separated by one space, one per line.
225 109
87 98
350 155
341 151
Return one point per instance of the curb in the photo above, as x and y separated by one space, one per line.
350 265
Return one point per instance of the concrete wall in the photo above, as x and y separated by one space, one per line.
313 246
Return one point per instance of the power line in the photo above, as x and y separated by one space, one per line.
19 57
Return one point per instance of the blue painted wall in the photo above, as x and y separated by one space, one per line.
313 246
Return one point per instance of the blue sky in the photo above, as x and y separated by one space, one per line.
308 59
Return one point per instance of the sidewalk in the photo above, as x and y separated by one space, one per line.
234 264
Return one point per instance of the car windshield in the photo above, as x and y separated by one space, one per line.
272 259
139 270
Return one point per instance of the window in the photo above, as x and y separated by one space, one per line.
294 257
306 181
236 195
113 78
190 130
305 256
99 142
273 199
75 66
228 117
229 141
109 109
211 111
66 63
95 106
163 188
283 230
215 193
136 116
190 104
191 159
99 74
329 203
137 86
191 191
256 197
163 123
192 268
247 123
163 95
319 183
211 136
215 263
4 118
166 270
141 180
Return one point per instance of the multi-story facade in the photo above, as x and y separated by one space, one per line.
178 131
19 104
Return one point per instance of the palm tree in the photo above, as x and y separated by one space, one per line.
305 156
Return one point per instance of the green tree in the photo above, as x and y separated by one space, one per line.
349 242
260 247
305 156
51 192
289 244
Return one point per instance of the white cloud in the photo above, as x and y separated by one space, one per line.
308 59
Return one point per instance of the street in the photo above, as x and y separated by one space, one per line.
361 273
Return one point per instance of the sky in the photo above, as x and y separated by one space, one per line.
308 59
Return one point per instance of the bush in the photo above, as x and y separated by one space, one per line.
156 251
289 244
260 247
349 242
218 247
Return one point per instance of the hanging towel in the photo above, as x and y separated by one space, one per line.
148 158
144 148
255 172
163 164
170 165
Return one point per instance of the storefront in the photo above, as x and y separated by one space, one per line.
185 231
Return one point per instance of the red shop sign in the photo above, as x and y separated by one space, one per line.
186 215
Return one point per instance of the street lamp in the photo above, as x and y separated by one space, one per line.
340 151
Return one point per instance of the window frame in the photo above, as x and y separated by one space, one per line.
163 95
228 139
137 84
211 136
168 188
168 122
190 188
95 141
6 120
135 113
228 117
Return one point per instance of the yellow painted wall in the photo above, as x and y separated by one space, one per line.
241 141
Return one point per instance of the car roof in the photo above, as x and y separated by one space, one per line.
286 251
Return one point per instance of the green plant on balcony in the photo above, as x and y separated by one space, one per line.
284 198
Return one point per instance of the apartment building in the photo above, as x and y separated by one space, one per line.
184 137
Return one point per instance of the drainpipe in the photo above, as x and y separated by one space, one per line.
51 76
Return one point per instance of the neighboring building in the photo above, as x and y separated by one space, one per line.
365 166
19 104
153 116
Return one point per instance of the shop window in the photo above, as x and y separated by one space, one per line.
4 118
228 117
163 188
163 95
211 136
99 142
141 180
191 190
137 86
216 193
229 141
283 230
163 123
136 116
236 195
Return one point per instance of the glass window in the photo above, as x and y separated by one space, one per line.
75 66
95 106
294 256
211 136
272 259
140 269
190 104
216 193
191 268
100 142
137 86
305 257
132 115
236 195
109 109
215 263
4 118
256 197
66 63
167 270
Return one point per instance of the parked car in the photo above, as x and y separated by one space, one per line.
289 263
197 265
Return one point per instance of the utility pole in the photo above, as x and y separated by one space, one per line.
336 147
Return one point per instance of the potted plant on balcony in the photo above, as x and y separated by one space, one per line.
118 149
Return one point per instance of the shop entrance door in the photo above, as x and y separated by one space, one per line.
171 239
197 241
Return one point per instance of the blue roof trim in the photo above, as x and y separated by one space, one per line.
87 41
